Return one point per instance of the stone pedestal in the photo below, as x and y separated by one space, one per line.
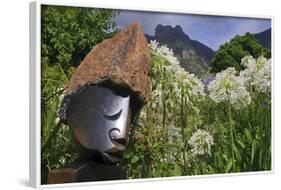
85 171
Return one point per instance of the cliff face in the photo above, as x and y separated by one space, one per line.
193 55
264 38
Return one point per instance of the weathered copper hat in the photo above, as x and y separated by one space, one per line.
122 61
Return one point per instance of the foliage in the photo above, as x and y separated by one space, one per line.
56 144
231 53
68 33
188 128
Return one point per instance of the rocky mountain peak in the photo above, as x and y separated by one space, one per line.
167 30
264 38
193 55
178 28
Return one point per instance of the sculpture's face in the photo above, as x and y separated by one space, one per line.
99 119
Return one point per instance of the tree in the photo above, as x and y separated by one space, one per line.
231 53
69 33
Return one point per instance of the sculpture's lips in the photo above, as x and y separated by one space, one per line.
118 154
114 154
116 151
112 158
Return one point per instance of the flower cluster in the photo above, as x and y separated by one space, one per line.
174 134
257 73
174 137
229 87
201 142
156 96
181 76
169 92
164 52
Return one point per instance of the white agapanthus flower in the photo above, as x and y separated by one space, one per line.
201 142
240 97
174 134
164 51
156 96
182 76
174 137
257 73
197 86
229 87
153 45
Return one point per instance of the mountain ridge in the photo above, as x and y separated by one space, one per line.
194 56
264 38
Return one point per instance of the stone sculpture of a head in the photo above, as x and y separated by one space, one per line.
107 90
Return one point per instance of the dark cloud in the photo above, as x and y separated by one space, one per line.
210 30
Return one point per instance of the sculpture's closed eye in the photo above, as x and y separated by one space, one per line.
113 117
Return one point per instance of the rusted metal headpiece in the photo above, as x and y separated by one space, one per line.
122 61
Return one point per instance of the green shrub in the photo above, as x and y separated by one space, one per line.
231 53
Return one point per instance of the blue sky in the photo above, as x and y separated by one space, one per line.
210 30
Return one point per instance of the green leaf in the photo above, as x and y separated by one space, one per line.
253 151
176 171
248 135
134 159
241 143
228 166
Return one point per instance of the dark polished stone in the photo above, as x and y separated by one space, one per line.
85 171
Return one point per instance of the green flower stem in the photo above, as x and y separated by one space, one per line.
182 132
231 134
51 136
57 93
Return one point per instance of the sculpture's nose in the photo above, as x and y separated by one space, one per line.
116 136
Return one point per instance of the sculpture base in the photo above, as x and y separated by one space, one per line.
85 171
